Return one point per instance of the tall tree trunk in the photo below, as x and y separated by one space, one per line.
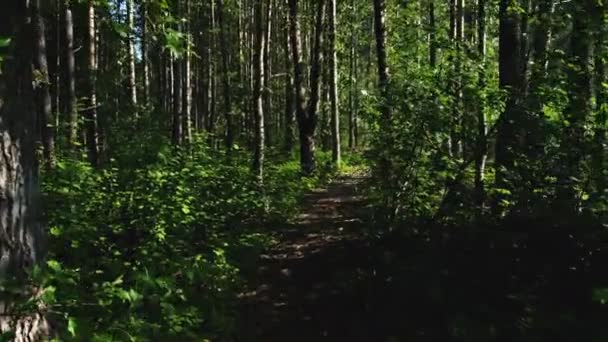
383 85
308 125
599 153
433 35
510 121
266 87
91 72
481 153
188 79
131 80
178 133
290 94
333 84
306 138
70 77
22 234
145 54
43 94
579 108
229 138
258 66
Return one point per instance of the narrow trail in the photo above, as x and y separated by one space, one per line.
307 288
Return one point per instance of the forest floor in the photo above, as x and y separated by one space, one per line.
303 290
328 279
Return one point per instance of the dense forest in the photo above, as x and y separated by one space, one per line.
303 170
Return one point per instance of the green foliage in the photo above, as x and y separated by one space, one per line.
156 252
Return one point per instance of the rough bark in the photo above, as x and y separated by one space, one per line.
22 236
42 87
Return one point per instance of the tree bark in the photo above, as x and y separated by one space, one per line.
70 77
229 138
258 75
22 234
510 121
90 110
43 94
187 117
481 153
290 94
131 80
333 84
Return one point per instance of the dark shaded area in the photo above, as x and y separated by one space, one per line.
523 281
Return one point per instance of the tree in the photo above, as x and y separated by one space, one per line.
22 234
333 83
258 105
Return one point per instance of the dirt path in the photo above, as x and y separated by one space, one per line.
306 288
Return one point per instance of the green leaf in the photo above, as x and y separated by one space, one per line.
72 326
4 42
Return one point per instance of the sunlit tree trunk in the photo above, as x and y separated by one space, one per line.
131 80
290 93
481 148
333 83
90 111
258 75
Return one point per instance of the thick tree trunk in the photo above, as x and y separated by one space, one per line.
22 234
333 84
43 94
258 75
510 121
579 107
305 124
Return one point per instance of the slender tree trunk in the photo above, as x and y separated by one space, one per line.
383 85
177 136
481 155
70 77
187 137
258 66
131 80
333 84
290 94
43 94
22 238
266 87
599 153
305 123
229 138
433 35
145 54
91 72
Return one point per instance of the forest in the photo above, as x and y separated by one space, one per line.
303 170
